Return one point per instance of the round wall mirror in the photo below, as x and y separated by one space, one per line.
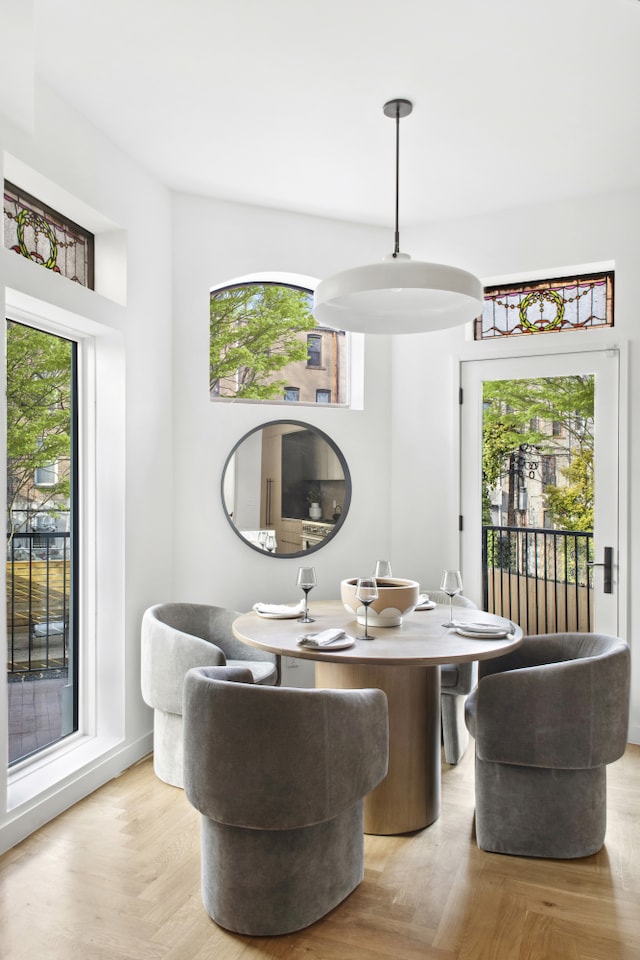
286 488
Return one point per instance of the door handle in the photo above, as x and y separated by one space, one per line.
607 563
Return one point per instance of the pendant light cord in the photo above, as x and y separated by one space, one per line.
395 109
396 249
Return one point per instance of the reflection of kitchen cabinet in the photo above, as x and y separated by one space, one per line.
271 479
327 464
290 535
288 530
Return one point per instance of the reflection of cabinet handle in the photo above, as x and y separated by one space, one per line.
267 519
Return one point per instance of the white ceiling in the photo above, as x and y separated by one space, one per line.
279 102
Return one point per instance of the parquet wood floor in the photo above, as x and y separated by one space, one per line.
117 877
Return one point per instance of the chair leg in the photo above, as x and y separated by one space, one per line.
455 735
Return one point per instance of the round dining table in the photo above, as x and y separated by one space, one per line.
404 661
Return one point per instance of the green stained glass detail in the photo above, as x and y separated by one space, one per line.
547 306
41 234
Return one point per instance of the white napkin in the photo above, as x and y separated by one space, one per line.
322 639
491 629
279 608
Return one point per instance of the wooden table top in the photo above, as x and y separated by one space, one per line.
421 639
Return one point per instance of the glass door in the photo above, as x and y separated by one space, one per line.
42 662
540 488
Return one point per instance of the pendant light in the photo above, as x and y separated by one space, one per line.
398 294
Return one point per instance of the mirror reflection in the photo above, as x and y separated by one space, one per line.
286 488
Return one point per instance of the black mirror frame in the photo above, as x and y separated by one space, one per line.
347 489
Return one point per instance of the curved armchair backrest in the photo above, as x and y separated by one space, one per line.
210 623
280 758
558 700
439 596
178 636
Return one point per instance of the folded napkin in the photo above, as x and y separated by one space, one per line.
478 625
279 608
322 639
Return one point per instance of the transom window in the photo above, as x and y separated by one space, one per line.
547 306
43 235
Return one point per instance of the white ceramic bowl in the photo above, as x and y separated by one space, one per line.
396 598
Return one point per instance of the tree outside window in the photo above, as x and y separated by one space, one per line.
261 341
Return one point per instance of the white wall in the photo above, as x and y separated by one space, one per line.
542 241
129 563
216 242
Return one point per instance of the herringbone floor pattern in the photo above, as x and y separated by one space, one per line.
117 876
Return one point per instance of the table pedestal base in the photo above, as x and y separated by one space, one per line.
409 796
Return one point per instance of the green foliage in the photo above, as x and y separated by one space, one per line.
253 334
38 410
513 412
571 506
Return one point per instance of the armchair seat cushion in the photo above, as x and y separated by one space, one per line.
263 671
450 675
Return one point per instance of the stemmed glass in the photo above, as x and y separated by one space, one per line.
366 593
306 581
451 585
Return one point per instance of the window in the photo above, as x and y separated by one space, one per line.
323 396
548 469
547 306
42 661
292 393
262 337
46 476
43 235
314 350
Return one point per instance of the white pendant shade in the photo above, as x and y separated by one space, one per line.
398 295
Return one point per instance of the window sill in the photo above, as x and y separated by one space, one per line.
56 770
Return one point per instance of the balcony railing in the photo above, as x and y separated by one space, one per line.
539 578
38 603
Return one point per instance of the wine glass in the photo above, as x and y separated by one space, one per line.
383 569
451 584
366 593
306 581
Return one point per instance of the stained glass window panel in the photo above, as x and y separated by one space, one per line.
43 235
547 306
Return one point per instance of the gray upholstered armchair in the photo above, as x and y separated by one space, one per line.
176 637
279 776
547 718
456 681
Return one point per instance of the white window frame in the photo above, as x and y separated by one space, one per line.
101 632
